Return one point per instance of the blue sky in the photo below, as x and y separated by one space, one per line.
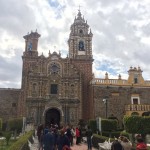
121 34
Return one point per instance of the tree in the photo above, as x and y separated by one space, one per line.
137 125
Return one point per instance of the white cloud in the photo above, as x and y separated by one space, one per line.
120 29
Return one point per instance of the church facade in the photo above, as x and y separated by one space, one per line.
64 90
56 89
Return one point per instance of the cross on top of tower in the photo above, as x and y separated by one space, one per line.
79 8
79 13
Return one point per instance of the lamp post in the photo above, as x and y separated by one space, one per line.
106 106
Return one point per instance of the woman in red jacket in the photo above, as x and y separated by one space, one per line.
77 136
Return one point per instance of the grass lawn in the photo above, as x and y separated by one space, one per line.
3 145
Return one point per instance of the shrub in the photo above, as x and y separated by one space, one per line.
92 124
109 125
15 124
145 127
132 124
124 133
99 139
137 124
111 134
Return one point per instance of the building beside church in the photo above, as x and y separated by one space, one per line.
64 90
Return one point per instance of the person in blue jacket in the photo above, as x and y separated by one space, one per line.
48 141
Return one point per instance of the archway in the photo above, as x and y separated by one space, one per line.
146 113
134 114
52 116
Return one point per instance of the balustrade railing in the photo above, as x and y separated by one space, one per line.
115 81
139 107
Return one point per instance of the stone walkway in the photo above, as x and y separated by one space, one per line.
82 146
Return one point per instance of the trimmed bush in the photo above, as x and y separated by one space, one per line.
137 124
99 139
15 124
106 124
22 143
93 126
145 121
133 124
111 134
124 133
115 134
109 125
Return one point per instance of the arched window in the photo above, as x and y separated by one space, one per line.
81 46
81 31
146 113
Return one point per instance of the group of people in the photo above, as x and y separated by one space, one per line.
123 143
51 137
61 138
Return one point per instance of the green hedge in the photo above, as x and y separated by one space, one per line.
22 142
98 139
137 124
109 125
15 124
111 134
126 134
106 124
93 126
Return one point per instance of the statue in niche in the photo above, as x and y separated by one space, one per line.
72 116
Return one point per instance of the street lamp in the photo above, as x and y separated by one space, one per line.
106 106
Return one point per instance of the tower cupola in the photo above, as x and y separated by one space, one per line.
80 39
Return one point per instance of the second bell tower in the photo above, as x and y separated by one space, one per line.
80 54
80 39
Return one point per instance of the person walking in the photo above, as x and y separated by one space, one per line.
40 136
48 141
69 134
77 136
89 138
63 141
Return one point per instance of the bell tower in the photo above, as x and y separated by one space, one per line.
80 39
80 54
31 43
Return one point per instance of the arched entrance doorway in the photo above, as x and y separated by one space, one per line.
52 116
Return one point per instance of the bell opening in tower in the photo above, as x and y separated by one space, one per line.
81 46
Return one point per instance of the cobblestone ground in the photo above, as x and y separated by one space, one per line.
82 146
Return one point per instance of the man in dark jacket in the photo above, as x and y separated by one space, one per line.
62 141
89 138
48 141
